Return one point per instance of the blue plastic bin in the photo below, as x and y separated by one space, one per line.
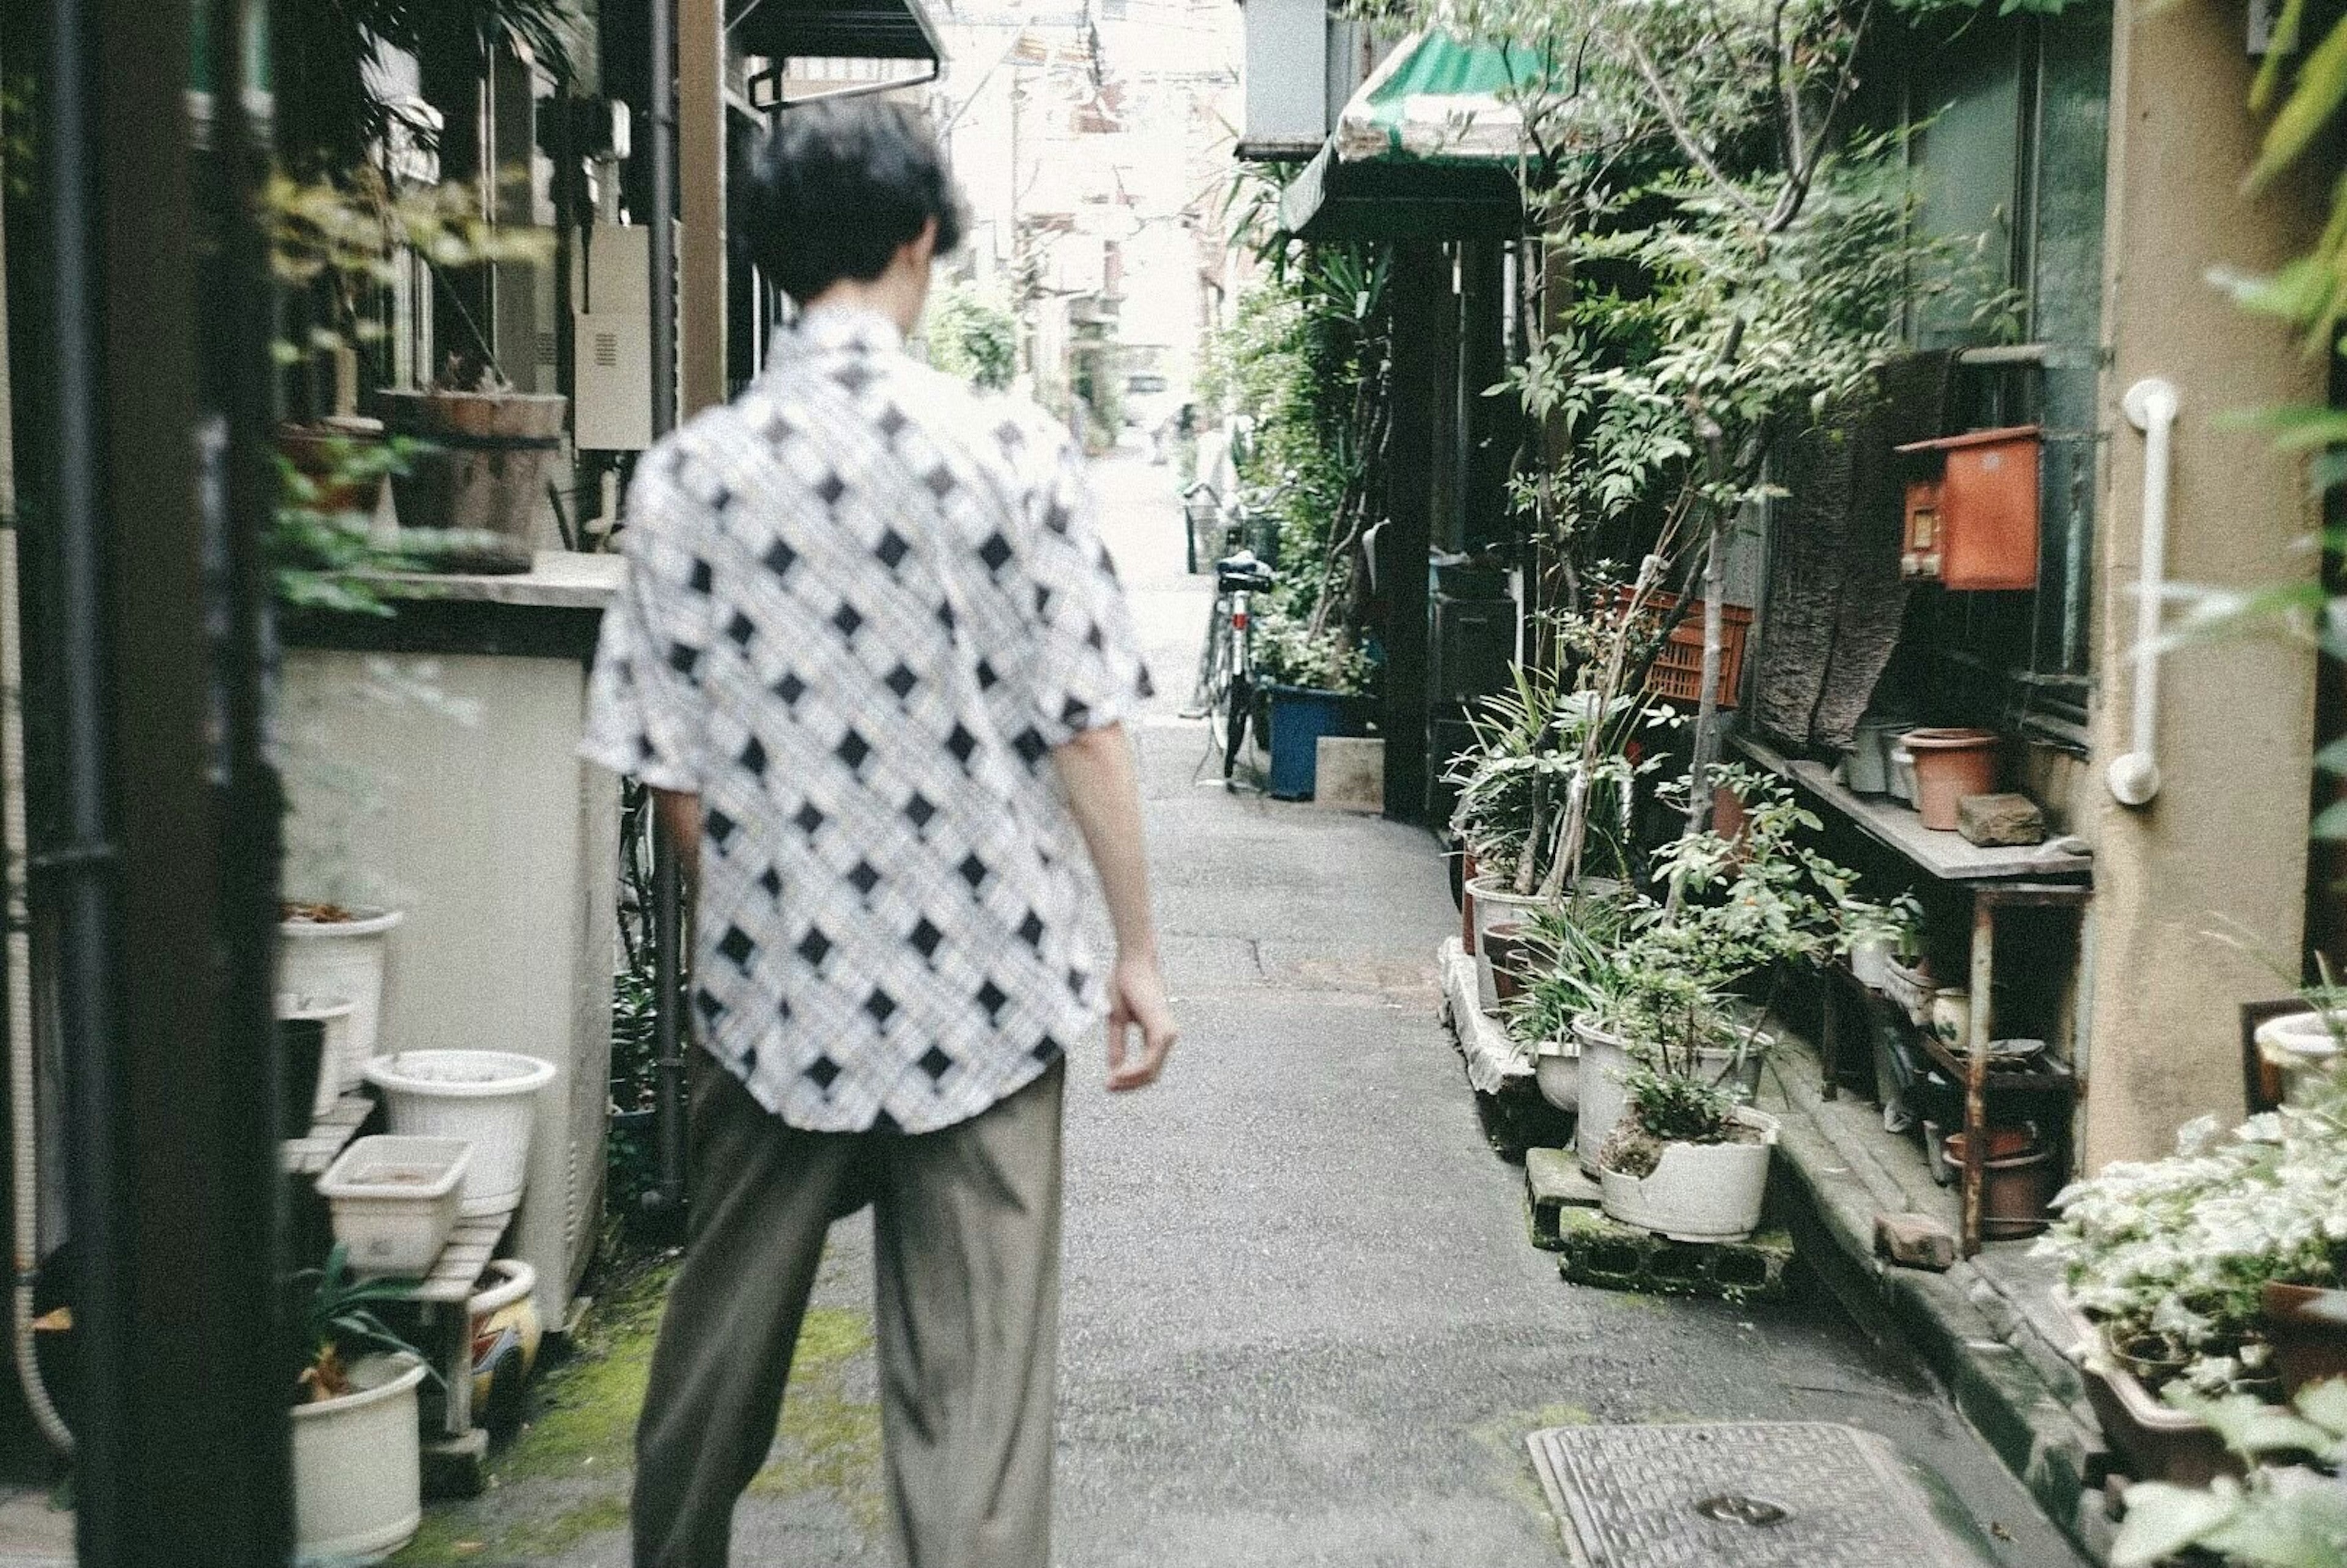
1300 716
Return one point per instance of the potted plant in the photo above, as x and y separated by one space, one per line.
488 1098
2289 1510
1689 1159
326 949
2175 1257
1315 679
358 1484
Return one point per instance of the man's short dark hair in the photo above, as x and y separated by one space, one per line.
836 189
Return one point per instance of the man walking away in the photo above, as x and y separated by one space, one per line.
868 622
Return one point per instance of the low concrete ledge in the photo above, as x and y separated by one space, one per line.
1985 1327
1495 1063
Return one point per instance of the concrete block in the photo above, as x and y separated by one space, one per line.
1916 1241
1615 1256
457 1467
1552 1184
2000 819
1350 773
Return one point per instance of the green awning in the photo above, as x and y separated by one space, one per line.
1427 149
1438 99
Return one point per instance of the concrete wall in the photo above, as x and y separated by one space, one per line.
451 788
2224 845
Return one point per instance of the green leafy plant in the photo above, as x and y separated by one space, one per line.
971 336
337 1322
1288 652
2174 1254
2285 1515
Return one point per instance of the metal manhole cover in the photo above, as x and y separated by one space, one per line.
1741 1495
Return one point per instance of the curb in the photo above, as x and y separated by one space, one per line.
2013 1384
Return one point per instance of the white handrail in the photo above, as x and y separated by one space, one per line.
2151 405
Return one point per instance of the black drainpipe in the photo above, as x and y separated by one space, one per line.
669 1037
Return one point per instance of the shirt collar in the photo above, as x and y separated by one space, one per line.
838 327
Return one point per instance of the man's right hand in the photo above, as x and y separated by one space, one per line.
1137 1001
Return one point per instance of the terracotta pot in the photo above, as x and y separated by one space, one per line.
2016 1186
2156 1440
1467 875
1948 765
2307 1326
1505 944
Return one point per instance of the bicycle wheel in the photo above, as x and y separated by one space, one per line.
1214 663
1241 697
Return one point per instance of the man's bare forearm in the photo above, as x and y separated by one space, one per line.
1104 798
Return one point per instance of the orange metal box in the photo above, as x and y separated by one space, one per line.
1974 525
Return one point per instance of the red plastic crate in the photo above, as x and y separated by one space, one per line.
1677 674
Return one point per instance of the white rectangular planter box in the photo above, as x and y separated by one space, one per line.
395 1201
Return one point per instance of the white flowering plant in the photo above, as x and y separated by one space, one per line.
2169 1256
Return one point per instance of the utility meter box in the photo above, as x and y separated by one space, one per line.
1972 509
611 320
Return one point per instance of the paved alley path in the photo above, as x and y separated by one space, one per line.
1304 1326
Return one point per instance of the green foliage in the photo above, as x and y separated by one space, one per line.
2287 1515
336 1321
1289 653
633 1161
1680 1108
971 336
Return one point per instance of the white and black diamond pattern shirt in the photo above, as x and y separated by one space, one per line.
862 604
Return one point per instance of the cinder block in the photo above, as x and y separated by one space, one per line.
1615 1256
1553 1183
1350 773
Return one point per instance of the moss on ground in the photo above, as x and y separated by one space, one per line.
566 1475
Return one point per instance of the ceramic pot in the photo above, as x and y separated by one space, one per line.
1603 1059
507 1332
2307 1326
1699 1192
1497 902
346 959
489 1097
2018 1180
481 467
1948 765
358 1467
2300 1044
1557 1068
316 449
2156 1440
1504 951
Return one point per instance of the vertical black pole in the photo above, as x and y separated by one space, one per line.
668 889
1420 284
165 865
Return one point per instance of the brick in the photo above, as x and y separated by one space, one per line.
1916 1241
2000 819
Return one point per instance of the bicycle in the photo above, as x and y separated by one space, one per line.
1226 692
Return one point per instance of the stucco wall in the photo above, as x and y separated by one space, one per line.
2223 845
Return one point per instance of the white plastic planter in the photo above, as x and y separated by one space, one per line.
1556 1067
339 1069
1603 1059
486 1097
395 1201
2300 1044
1699 1192
341 958
358 1469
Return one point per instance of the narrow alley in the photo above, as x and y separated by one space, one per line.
1303 1323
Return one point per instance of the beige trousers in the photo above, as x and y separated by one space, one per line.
966 1229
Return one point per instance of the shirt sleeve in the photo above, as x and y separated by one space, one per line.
645 706
1089 672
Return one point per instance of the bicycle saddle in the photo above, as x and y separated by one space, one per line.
1245 570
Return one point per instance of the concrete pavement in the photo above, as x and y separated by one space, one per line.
1303 1323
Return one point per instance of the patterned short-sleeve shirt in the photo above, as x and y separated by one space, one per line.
862 604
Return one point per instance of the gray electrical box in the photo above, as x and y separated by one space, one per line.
611 318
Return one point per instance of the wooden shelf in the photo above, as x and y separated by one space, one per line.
328 1137
2054 1077
1943 856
